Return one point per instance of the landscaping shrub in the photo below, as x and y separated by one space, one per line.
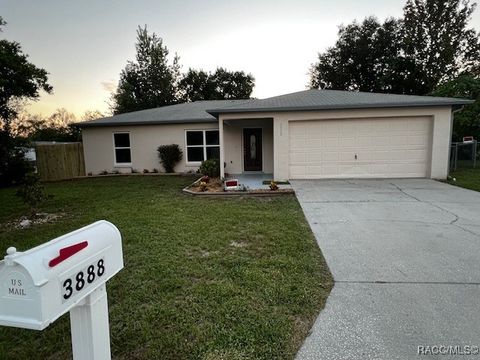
13 166
210 168
32 192
169 156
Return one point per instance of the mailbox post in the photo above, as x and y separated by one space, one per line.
67 274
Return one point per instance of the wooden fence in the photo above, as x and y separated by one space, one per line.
60 161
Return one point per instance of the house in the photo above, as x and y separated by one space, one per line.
304 135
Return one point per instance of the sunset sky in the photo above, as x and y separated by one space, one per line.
85 44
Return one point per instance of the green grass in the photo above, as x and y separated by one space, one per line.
467 178
203 279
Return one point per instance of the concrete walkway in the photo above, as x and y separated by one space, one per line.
405 256
254 181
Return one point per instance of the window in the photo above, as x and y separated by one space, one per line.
202 145
121 144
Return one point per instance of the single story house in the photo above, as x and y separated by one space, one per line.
310 134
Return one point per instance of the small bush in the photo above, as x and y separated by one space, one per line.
145 171
134 171
104 172
155 171
210 168
13 166
32 192
169 156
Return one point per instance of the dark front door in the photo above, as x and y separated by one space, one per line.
252 149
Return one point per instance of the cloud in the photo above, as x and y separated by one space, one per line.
109 86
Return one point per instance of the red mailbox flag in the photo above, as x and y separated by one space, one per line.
68 252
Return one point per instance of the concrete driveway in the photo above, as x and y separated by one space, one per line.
405 256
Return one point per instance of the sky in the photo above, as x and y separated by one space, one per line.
85 44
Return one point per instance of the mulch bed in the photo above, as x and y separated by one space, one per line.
215 187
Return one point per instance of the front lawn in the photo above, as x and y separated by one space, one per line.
467 178
203 278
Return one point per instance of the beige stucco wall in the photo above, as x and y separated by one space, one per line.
233 140
99 151
144 141
440 144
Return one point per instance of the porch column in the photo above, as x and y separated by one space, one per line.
442 133
281 162
222 150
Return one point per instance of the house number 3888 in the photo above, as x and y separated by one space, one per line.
83 278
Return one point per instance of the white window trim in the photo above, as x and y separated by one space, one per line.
115 163
204 146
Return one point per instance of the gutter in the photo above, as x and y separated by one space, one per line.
143 122
216 112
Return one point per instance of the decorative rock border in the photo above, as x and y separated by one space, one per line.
263 193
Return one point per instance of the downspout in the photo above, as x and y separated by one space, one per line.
459 109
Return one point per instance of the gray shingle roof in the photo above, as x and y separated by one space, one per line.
205 111
174 114
335 99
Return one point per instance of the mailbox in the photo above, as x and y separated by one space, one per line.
40 285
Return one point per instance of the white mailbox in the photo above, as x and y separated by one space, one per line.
65 274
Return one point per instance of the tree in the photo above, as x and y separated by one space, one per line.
26 124
20 80
57 127
364 58
92 115
196 85
221 85
438 41
467 121
430 45
150 81
61 119
233 85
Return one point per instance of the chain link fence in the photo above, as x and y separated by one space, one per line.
464 155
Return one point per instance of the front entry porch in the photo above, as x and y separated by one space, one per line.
256 181
246 147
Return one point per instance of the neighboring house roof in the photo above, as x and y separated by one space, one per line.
193 112
334 99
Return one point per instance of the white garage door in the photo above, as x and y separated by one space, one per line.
360 148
